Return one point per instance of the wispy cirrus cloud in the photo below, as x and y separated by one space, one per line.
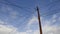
32 27
47 27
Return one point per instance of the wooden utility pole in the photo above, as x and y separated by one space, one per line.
39 20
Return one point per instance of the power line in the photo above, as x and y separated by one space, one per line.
17 5
53 2
50 6
45 14
51 13
23 8
8 3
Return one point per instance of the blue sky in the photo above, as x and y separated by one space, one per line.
20 16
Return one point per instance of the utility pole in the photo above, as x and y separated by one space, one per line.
40 28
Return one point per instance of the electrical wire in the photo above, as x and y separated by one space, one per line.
50 5
8 3
53 2
51 13
22 8
17 5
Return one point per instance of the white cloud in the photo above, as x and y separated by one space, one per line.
36 32
29 31
9 29
54 16
59 18
1 22
51 29
32 20
6 30
23 33
47 28
50 20
8 9
13 14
